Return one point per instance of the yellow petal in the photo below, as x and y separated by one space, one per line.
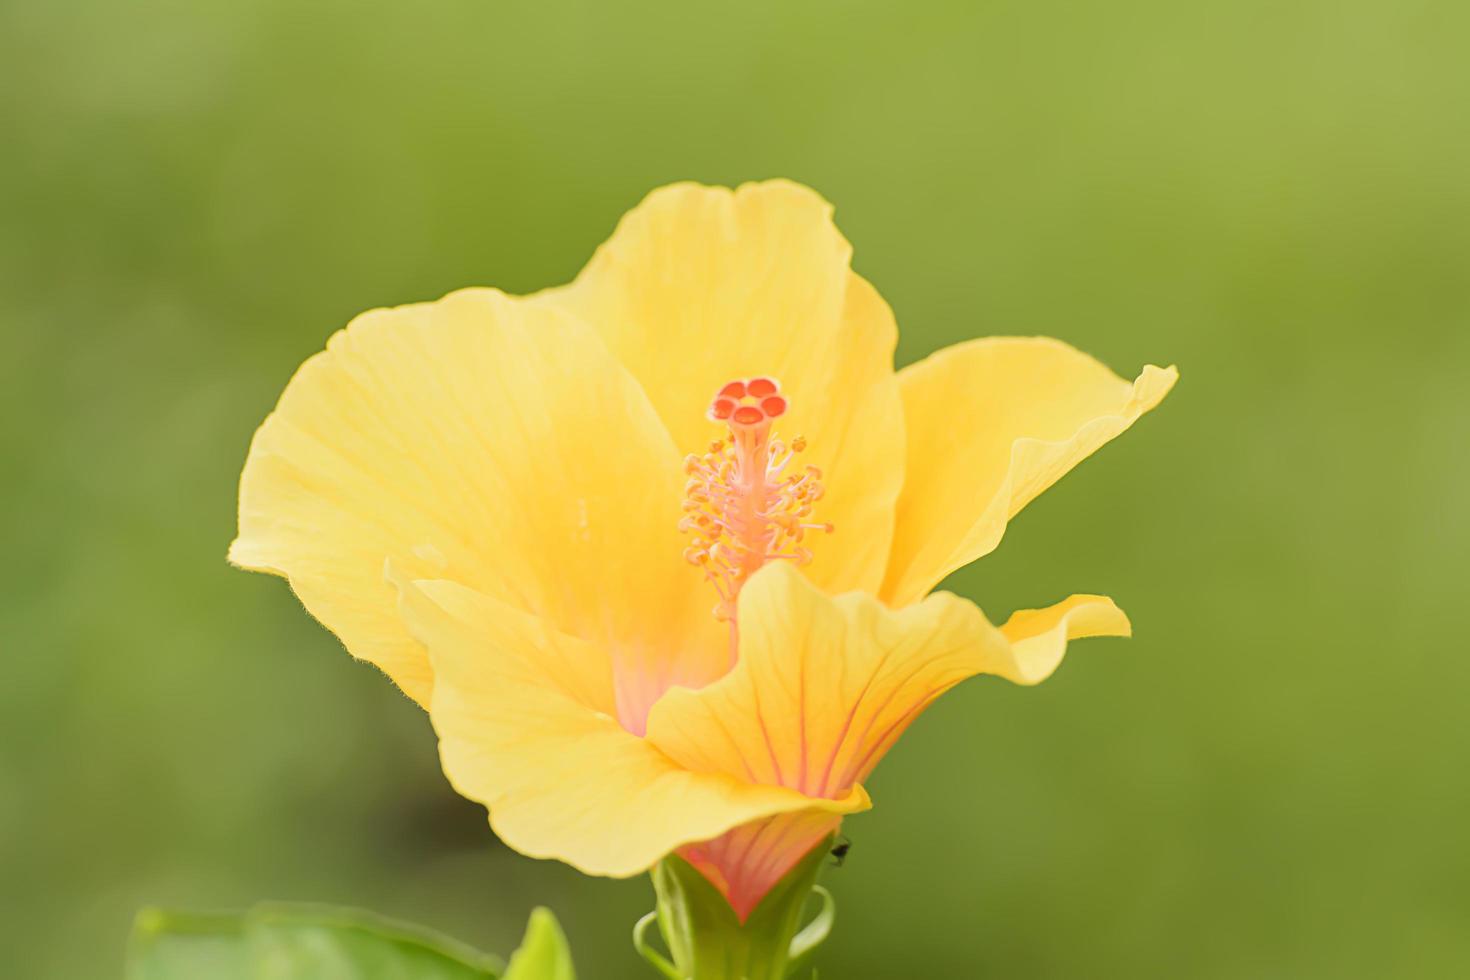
525 727
825 686
1038 637
490 441
702 285
991 424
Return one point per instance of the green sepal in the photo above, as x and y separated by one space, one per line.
707 940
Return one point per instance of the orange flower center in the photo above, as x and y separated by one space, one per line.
742 508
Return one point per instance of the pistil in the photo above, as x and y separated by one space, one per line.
742 508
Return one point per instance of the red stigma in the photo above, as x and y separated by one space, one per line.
748 403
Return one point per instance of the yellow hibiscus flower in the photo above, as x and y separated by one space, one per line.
653 548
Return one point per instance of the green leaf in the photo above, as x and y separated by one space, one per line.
297 942
176 946
543 954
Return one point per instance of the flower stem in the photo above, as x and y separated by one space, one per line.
707 940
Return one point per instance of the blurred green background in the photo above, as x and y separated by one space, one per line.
1270 780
